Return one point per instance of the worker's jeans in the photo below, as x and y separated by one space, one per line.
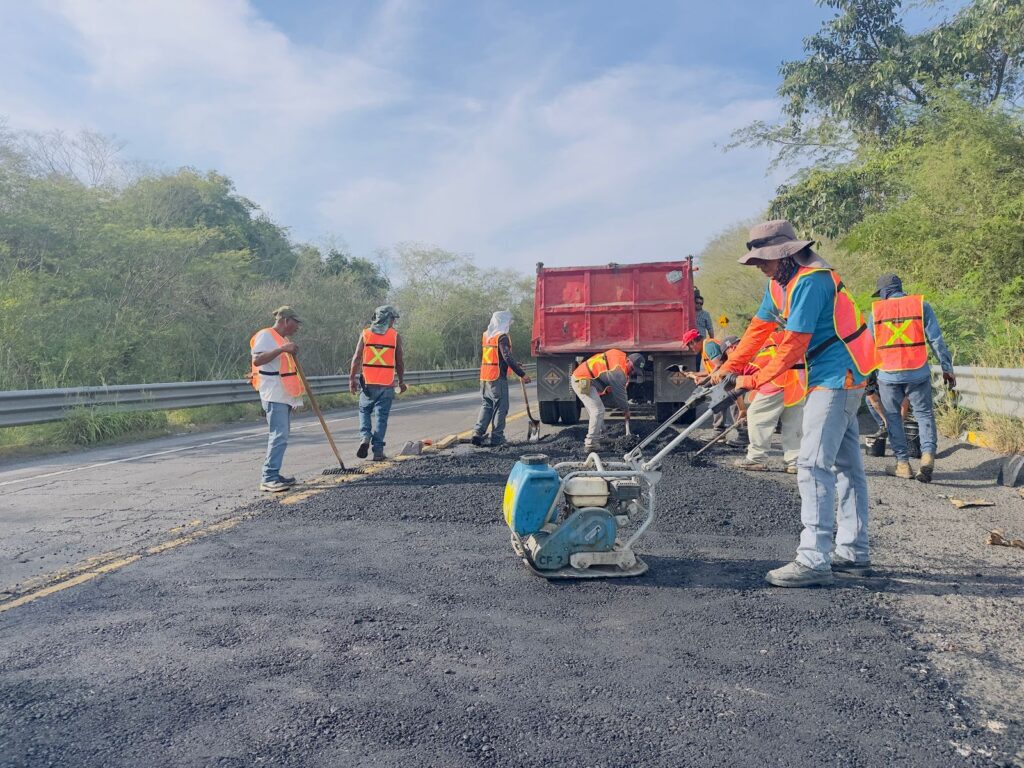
920 394
375 399
762 416
494 408
279 419
830 452
595 410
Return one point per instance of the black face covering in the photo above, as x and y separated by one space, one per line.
787 268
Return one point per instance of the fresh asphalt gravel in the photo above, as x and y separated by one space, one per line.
386 622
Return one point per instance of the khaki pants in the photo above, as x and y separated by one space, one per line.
595 408
762 416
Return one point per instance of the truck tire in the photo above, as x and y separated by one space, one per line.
549 412
569 412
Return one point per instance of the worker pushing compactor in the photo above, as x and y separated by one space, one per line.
823 330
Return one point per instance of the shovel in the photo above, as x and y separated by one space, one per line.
533 429
340 469
738 423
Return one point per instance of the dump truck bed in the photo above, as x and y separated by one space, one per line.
633 307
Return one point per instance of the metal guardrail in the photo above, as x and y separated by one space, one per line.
990 390
35 406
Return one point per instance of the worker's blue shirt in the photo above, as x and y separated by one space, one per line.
812 311
933 333
712 349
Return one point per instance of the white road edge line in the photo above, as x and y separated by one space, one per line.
243 436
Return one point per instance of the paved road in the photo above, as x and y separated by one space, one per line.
61 510
385 622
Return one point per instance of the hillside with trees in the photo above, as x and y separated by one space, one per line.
110 274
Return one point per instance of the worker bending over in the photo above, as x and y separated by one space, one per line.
904 327
378 366
782 398
274 374
605 375
495 360
823 329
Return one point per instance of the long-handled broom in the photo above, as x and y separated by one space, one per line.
340 469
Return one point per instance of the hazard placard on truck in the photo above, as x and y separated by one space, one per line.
645 308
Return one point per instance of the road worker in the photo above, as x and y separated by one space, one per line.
823 329
604 375
703 321
782 399
713 354
378 368
273 373
495 361
904 327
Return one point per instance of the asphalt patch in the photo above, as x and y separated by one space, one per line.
386 622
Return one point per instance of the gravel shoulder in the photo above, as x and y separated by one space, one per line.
386 622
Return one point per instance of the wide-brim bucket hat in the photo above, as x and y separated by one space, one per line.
773 240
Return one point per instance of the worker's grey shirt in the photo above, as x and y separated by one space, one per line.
704 324
617 380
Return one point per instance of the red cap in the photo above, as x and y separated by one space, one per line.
691 336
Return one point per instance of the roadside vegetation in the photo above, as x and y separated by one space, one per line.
907 156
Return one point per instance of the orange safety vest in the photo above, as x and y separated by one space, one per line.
705 359
289 378
899 333
594 366
489 368
793 382
379 357
847 322
601 362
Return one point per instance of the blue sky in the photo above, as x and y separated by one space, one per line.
564 132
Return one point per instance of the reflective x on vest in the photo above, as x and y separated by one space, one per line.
490 369
379 357
899 333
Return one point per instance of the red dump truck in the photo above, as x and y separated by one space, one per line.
580 311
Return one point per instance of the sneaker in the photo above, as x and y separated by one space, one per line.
363 449
274 486
750 465
849 567
477 440
924 474
798 575
791 469
902 470
287 480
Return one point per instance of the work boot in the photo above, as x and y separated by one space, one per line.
597 444
497 440
924 474
378 453
791 469
902 470
287 480
797 574
750 465
274 486
363 449
843 566
477 440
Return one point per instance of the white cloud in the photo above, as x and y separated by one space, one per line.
625 163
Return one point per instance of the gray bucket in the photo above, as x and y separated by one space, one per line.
913 438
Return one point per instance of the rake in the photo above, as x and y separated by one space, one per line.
340 469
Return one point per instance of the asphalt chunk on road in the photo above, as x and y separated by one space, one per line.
386 622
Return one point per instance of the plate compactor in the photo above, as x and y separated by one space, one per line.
580 520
